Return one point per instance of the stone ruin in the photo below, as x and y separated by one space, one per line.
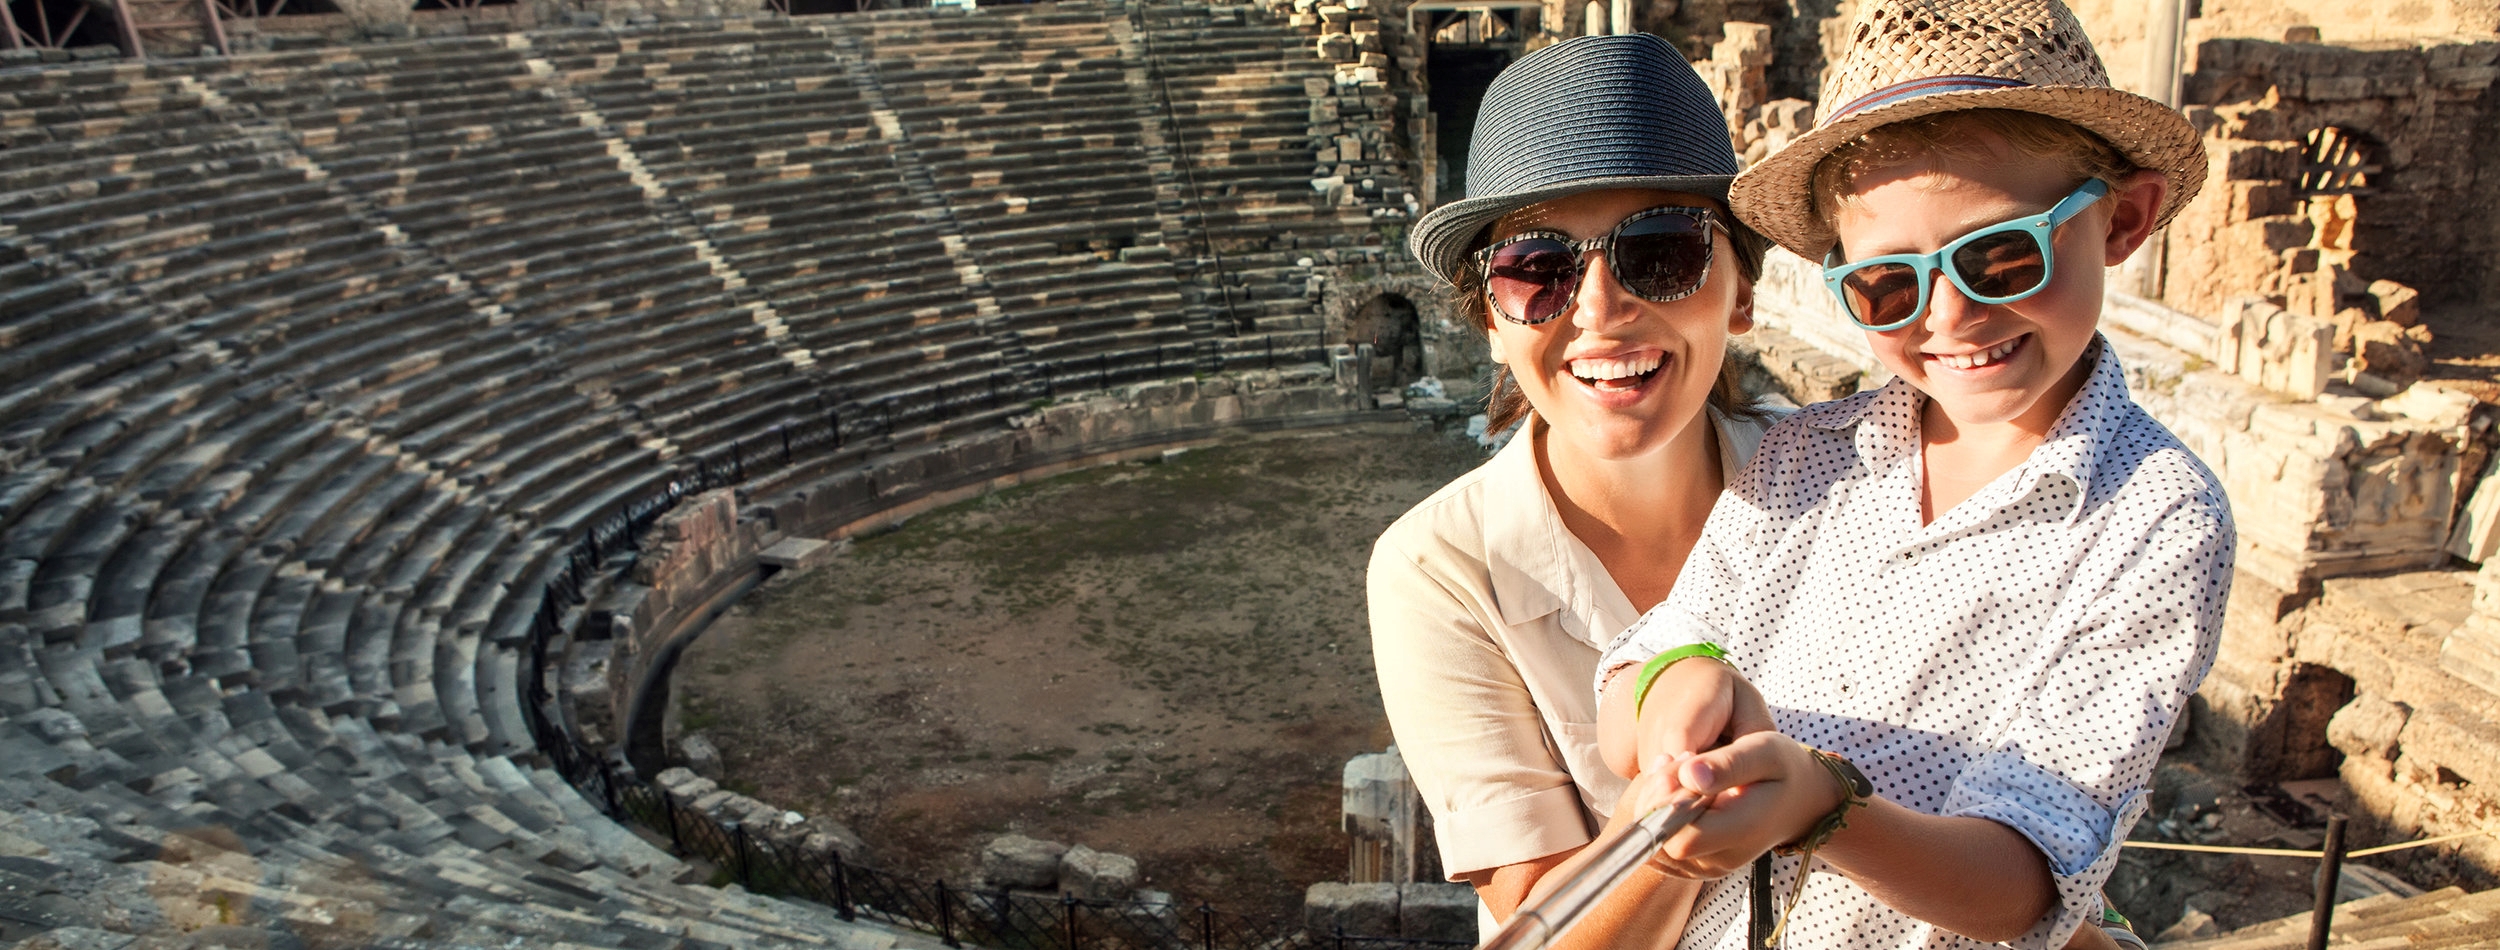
324 366
339 384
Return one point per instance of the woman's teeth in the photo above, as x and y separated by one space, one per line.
1981 358
1593 372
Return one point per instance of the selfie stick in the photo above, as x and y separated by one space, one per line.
1535 926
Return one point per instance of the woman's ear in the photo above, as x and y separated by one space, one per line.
1493 344
1740 316
2133 207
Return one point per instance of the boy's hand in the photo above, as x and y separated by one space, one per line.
1694 706
1769 791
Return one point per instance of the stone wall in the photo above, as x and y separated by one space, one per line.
2273 222
715 542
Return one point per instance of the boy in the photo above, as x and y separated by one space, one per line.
1973 601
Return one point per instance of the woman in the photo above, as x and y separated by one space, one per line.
1597 251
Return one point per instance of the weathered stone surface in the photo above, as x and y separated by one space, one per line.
2367 728
1097 875
2391 352
1437 911
2397 303
700 754
1369 910
1019 861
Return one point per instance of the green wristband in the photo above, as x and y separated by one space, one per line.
1658 664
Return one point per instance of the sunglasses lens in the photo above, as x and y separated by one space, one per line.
1881 294
1531 280
2001 265
1663 256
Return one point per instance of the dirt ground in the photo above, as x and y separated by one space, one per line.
1168 660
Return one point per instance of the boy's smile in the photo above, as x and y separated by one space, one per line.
1987 367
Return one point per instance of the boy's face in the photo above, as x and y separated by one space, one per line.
2032 347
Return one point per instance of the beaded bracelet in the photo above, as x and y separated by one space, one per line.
1855 792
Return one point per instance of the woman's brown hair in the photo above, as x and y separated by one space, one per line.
1505 405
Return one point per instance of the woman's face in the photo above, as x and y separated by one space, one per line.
1617 376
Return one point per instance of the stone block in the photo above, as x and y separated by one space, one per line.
1368 910
2391 352
2397 303
1437 911
2368 728
2274 348
1019 861
2477 534
1097 875
798 554
700 755
2259 161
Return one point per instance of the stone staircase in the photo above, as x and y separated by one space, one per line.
2448 917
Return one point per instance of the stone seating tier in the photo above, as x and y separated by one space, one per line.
318 362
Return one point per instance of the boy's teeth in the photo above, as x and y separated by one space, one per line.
1981 358
1614 368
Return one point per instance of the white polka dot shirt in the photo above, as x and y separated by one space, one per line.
2021 658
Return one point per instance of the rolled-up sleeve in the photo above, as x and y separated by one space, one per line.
2069 771
1465 721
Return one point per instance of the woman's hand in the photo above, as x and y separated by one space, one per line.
1694 705
1767 790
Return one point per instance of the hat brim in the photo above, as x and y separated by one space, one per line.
1776 195
1442 238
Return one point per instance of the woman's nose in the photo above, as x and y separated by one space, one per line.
1600 302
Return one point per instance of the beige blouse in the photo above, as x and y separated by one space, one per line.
1487 618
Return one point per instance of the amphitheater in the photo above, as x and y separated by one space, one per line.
379 406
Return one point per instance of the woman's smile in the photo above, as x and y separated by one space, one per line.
1619 381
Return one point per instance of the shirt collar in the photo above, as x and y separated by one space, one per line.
1887 424
1537 567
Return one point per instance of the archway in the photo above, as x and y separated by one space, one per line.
1467 44
2290 743
1388 322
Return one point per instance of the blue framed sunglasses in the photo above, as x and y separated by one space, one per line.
1997 264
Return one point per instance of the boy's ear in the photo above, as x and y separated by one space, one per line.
2133 207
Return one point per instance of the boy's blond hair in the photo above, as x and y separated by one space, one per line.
2075 150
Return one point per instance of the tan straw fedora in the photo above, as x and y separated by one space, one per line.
1909 58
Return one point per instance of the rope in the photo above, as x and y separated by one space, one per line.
2290 853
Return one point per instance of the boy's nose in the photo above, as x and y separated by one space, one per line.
1948 309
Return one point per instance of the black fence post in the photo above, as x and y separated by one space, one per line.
738 834
1338 930
676 838
2330 874
1067 909
785 443
946 916
842 889
1206 926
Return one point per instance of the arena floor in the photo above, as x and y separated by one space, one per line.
1168 661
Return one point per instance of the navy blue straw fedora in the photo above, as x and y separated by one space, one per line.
1585 114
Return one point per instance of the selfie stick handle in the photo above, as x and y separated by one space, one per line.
1536 926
